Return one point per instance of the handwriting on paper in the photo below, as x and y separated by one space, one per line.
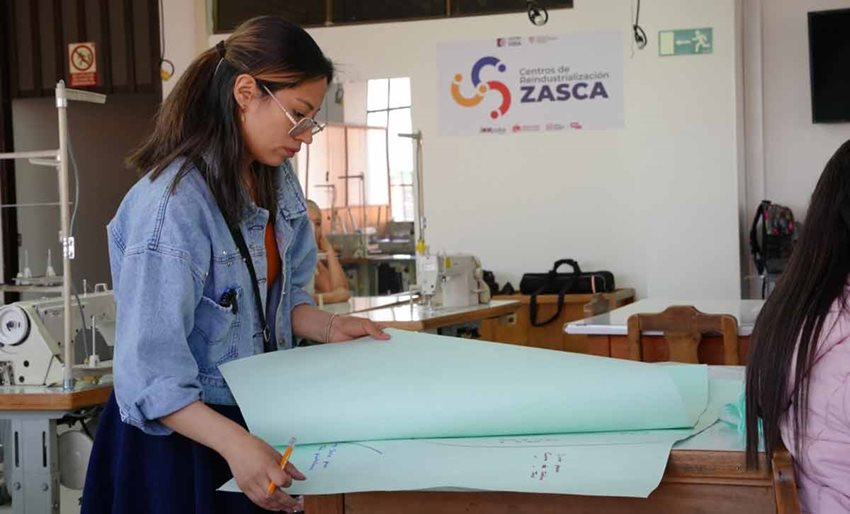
323 456
546 464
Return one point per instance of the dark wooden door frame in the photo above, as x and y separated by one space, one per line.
8 217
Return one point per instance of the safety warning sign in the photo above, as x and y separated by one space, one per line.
82 63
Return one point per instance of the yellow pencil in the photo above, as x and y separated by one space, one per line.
283 460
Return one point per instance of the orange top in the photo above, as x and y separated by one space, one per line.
272 255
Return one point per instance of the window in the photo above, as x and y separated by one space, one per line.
362 171
344 171
478 7
227 14
353 11
388 106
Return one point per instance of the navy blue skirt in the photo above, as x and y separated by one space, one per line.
133 472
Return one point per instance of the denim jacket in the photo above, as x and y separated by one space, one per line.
172 259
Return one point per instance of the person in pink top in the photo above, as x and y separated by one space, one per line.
798 376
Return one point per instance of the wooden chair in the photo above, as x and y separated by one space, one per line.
683 328
784 483
598 304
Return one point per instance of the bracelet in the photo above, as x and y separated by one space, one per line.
330 326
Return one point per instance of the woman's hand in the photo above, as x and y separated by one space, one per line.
346 328
254 463
326 246
317 325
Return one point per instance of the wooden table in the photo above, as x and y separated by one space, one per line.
607 333
694 481
421 318
28 399
31 452
551 336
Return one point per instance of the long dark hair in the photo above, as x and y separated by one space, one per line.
199 119
793 317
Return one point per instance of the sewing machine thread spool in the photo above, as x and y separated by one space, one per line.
27 270
49 271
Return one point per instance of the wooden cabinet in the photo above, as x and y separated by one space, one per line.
694 481
517 329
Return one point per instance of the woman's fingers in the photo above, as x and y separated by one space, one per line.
294 472
375 331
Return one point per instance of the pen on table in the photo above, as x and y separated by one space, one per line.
283 460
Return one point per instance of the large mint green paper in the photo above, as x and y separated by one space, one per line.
427 386
541 464
609 463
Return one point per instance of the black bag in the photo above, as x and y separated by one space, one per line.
552 282
777 232
490 280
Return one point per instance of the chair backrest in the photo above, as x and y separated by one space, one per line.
784 483
683 327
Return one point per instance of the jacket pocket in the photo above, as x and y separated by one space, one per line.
214 336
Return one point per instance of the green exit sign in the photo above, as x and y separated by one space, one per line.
685 42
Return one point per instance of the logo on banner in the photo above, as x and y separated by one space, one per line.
509 41
483 88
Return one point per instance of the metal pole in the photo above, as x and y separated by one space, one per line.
420 187
66 239
422 222
17 205
29 155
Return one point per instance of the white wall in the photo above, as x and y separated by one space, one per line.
657 202
795 149
185 29
785 151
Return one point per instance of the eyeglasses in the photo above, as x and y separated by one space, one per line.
298 126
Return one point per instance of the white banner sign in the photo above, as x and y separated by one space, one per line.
527 84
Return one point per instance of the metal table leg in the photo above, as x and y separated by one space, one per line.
31 462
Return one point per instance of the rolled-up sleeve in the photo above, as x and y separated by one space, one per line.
155 371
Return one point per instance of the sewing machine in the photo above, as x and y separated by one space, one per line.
451 280
349 246
31 333
400 238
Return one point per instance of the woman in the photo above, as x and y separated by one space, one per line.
331 284
209 254
798 377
